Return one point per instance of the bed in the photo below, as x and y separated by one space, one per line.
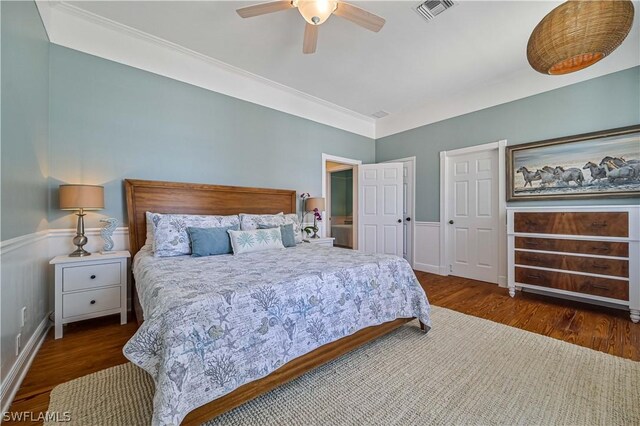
219 331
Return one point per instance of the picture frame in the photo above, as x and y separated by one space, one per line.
604 164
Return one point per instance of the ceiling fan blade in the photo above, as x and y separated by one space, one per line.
310 38
359 16
264 8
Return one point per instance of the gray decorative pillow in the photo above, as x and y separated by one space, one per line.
170 237
249 222
256 240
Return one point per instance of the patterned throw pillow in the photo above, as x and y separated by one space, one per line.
256 240
249 222
288 238
297 228
170 236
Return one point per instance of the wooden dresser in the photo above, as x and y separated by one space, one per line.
589 253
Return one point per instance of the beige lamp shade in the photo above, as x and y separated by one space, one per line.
314 203
87 197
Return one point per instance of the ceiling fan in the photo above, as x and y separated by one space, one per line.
315 12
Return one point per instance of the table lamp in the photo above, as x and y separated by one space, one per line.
81 198
312 204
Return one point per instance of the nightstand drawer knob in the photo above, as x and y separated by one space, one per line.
93 302
93 277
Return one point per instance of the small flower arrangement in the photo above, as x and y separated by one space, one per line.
317 217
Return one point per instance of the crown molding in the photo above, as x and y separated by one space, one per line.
75 28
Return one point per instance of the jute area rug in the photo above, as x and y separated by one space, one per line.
466 370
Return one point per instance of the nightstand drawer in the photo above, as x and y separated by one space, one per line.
90 276
88 302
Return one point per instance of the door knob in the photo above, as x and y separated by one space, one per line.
399 220
408 219
451 222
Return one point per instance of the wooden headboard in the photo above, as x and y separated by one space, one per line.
194 198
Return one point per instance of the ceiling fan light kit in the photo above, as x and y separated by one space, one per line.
577 34
316 12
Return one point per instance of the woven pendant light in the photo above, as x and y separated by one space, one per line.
578 34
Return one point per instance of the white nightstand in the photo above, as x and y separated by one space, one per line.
89 287
328 241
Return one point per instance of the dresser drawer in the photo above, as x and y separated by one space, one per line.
610 224
604 287
88 302
90 276
605 248
594 265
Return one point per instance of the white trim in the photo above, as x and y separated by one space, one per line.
20 367
562 253
500 145
78 29
9 245
343 160
412 223
579 296
89 232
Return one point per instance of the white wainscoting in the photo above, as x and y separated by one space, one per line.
24 283
27 280
427 247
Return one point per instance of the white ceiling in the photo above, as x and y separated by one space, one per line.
410 65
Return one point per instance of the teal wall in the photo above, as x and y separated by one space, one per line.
110 121
602 103
24 144
25 120
342 193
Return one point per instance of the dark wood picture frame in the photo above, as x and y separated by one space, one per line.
511 168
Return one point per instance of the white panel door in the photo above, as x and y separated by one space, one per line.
473 215
380 224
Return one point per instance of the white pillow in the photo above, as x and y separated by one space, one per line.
170 236
151 227
249 222
255 240
297 228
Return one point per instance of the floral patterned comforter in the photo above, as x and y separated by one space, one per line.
215 323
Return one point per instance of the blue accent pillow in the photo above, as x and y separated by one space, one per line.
210 241
288 236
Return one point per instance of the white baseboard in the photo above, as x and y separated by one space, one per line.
424 267
19 369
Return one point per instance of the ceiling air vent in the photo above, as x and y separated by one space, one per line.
432 8
380 114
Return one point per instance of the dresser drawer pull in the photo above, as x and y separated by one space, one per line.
599 224
93 277
529 222
532 258
599 248
602 267
537 277
93 302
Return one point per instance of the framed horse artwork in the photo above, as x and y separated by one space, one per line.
591 165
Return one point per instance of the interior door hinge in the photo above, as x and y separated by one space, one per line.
450 268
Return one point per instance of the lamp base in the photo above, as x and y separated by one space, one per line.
79 252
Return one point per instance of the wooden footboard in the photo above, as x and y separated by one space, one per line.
291 370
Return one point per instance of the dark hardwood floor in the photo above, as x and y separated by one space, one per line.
93 345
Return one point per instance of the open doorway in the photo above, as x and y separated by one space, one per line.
340 190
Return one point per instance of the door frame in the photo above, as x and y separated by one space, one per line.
412 223
502 205
354 164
